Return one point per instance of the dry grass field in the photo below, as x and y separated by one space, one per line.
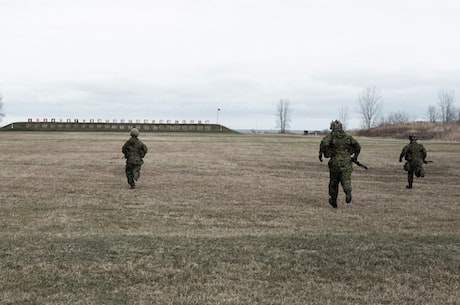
222 219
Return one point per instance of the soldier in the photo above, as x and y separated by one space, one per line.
342 150
134 150
415 155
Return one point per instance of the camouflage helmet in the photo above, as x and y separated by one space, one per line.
336 125
134 132
413 138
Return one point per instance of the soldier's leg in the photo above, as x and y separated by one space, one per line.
410 178
137 171
420 172
334 180
346 185
130 174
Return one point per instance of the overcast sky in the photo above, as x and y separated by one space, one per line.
184 59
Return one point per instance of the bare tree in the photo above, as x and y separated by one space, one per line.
432 114
446 105
343 116
370 106
283 115
398 118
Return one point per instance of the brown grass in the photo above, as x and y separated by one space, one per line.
222 219
424 130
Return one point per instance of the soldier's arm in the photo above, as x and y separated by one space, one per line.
322 150
325 147
142 149
356 147
423 153
123 150
403 153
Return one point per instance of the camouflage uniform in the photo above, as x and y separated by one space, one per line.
134 150
342 149
414 154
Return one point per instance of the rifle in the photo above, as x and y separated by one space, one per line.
360 164
426 162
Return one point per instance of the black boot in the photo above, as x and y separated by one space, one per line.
348 196
422 172
131 182
137 174
333 202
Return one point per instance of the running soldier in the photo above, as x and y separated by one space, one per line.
415 155
134 151
342 150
